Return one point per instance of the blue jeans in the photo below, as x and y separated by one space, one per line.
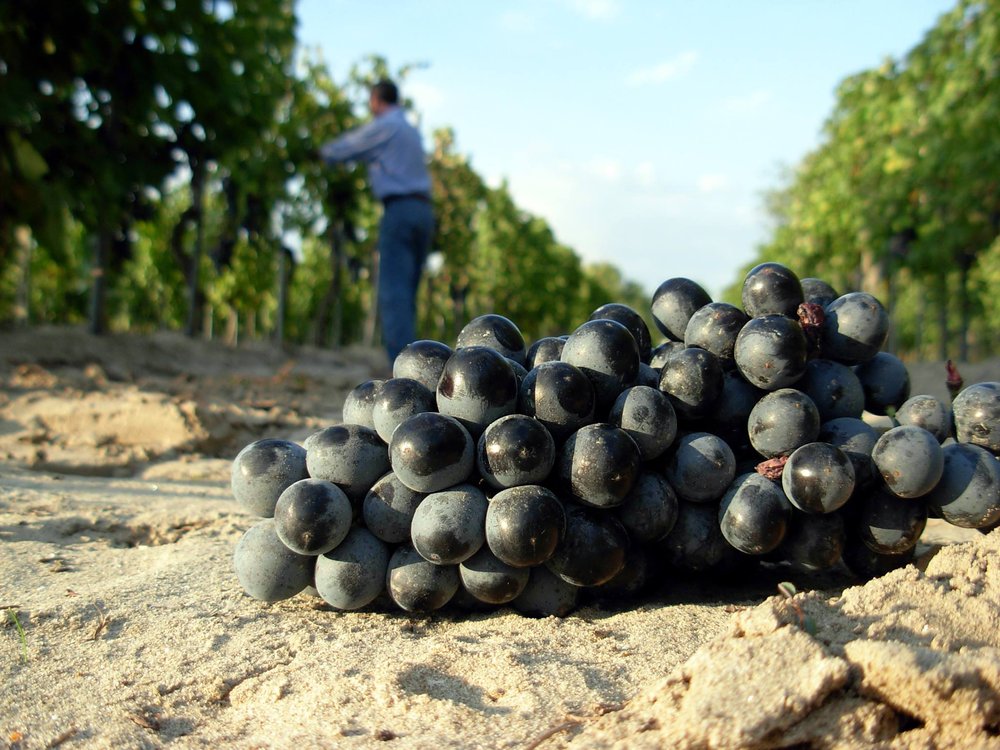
403 242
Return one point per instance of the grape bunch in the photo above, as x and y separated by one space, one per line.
594 464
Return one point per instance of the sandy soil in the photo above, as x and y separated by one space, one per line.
123 624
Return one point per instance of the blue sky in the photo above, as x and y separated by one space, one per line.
645 133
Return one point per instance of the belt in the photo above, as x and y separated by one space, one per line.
406 196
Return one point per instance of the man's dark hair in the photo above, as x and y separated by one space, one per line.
386 91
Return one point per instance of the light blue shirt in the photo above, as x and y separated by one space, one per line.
391 148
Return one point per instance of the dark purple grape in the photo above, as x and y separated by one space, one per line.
674 302
854 329
263 470
663 352
523 525
546 349
266 568
629 581
909 459
728 418
312 516
885 381
866 563
813 541
771 352
818 292
695 543
692 380
968 494
855 438
431 451
632 321
886 523
607 354
772 289
818 478
546 595
422 361
559 396
449 526
490 579
592 550
782 421
495 332
648 376
714 328
834 388
753 514
927 412
646 415
416 585
598 464
351 456
352 575
397 400
359 402
977 416
477 387
650 509
388 509
515 450
701 467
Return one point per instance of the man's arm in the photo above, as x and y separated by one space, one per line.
360 144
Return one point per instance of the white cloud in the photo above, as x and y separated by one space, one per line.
664 71
645 174
710 183
596 10
747 103
607 169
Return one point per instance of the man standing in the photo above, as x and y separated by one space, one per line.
392 149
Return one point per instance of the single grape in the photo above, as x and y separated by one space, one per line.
909 459
663 352
854 328
478 386
495 332
592 550
546 595
782 421
266 568
515 450
818 478
696 543
416 585
649 511
729 415
701 467
359 402
866 563
968 494
888 524
449 526
646 415
927 412
977 416
598 464
855 438
813 541
388 509
714 327
559 396
818 292
397 400
753 514
885 381
422 361
771 352
352 575
351 456
524 524
771 289
607 354
491 580
431 451
692 380
312 516
648 376
629 581
263 470
673 304
631 320
545 349
834 388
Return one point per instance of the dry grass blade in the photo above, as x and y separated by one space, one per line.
12 614
102 622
